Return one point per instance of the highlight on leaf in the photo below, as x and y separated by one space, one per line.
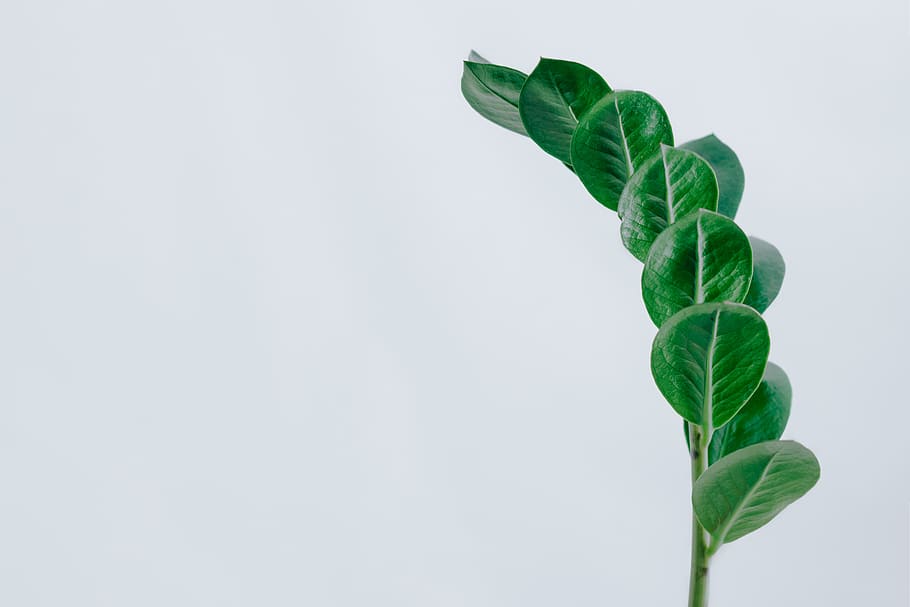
493 91
614 139
669 186
556 94
703 257
747 489
708 359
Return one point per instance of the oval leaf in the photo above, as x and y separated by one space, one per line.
767 275
493 91
762 418
555 96
708 360
614 139
703 257
669 186
730 176
745 490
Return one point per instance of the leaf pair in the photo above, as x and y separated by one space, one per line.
573 114
763 417
545 106
705 257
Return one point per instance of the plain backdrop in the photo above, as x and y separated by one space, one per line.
284 322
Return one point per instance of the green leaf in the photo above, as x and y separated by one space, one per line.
555 96
708 359
730 176
614 139
493 91
761 419
745 490
670 185
767 276
703 257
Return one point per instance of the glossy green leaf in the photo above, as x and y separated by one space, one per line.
767 276
730 176
708 359
703 257
748 488
669 186
493 91
762 418
556 94
614 139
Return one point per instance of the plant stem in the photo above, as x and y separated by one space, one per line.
698 578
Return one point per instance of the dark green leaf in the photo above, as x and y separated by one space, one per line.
670 185
745 490
703 257
768 274
493 91
555 96
708 359
730 176
761 419
614 139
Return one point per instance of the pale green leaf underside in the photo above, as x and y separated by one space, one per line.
614 139
730 176
703 257
745 490
476 57
493 91
708 359
763 418
669 186
556 94
768 274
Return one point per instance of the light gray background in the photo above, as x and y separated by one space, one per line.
283 322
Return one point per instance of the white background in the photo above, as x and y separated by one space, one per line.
283 322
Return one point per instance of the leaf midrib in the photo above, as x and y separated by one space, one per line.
700 257
707 406
552 78
671 213
495 93
622 135
748 496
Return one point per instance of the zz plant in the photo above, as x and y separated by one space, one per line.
705 284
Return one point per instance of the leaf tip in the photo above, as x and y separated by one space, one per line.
475 57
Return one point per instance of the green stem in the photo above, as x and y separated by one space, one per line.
698 578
